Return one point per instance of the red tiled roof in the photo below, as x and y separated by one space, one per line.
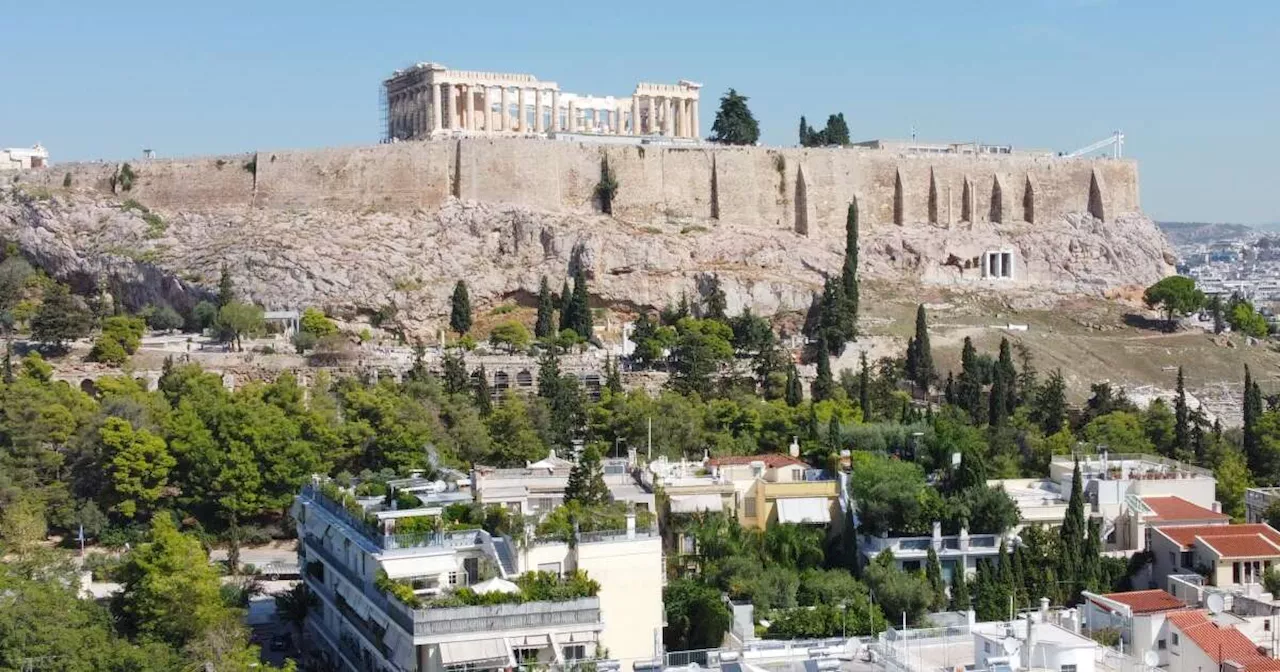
1244 546
1186 536
1170 508
1221 644
1147 601
772 460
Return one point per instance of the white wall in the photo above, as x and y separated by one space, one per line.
630 573
1185 656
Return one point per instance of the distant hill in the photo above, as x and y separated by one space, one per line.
1190 233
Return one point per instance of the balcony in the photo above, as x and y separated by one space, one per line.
371 534
432 622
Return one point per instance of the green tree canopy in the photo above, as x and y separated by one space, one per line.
734 123
460 309
1175 295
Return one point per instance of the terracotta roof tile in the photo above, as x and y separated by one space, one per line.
1244 546
1172 508
1186 536
1221 644
772 460
1147 601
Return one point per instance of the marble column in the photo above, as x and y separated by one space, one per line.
617 120
693 112
488 109
522 118
555 111
505 124
635 115
464 114
538 123
686 117
451 105
652 125
571 119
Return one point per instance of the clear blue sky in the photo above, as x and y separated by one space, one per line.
1194 84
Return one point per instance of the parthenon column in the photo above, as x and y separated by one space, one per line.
506 111
451 106
617 120
522 121
635 115
555 110
488 109
539 122
693 111
686 114
571 119
651 127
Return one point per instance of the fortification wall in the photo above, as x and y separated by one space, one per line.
802 190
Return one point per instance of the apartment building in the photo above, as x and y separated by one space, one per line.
955 551
1198 644
1224 555
1140 617
391 598
538 487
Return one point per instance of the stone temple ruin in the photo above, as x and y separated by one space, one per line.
429 100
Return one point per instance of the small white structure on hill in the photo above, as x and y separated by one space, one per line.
23 158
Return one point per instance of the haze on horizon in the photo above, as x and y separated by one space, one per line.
1192 86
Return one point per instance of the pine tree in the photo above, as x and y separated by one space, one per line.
484 400
1091 560
586 480
734 123
546 324
804 132
834 324
849 272
812 424
933 573
1181 425
566 307
716 302
833 434
864 387
959 591
1050 410
996 410
460 311
837 130
455 373
794 394
823 385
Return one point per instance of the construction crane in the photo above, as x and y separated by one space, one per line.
1116 141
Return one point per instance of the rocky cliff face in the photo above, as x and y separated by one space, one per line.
350 262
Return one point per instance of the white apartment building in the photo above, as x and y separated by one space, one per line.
538 487
23 158
352 560
955 551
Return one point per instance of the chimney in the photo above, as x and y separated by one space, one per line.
1044 610
795 447
1029 646
1217 507
937 535
631 523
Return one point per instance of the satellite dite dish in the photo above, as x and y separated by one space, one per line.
1151 658
1215 603
1010 645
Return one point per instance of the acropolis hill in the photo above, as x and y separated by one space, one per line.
357 228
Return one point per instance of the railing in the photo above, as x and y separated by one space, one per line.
1091 464
766 649
391 542
313 544
498 617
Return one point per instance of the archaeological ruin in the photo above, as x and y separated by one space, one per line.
430 100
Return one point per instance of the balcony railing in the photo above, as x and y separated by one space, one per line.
314 545
498 617
391 542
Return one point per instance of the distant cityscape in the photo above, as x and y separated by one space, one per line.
1226 259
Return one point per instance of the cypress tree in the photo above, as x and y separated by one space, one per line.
613 379
1252 413
996 411
566 307
1021 594
833 433
864 387
920 354
833 320
484 402
581 306
1072 533
455 373
1091 560
1181 426
960 590
804 132
460 313
933 573
849 273
794 394
1050 410
969 387
716 302
823 386
1005 369
812 424
549 379
226 289
1004 573
546 324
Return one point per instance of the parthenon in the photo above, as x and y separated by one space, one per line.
429 100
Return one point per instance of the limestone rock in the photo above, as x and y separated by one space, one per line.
356 262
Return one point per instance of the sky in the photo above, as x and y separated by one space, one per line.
1194 85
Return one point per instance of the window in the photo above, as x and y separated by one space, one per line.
526 655
1162 644
986 647
575 652
1067 668
1266 625
749 507
1175 639
453 578
1173 559
797 474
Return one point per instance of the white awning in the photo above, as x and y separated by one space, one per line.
423 565
803 510
696 503
475 651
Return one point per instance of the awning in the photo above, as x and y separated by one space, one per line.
531 641
475 651
430 565
696 503
804 510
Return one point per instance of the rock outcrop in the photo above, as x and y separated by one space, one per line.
351 262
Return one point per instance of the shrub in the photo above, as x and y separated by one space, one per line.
125 330
155 225
396 589
108 350
606 188
304 341
418 525
512 334
314 321
124 178
165 318
66 181
102 566
205 314
371 489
